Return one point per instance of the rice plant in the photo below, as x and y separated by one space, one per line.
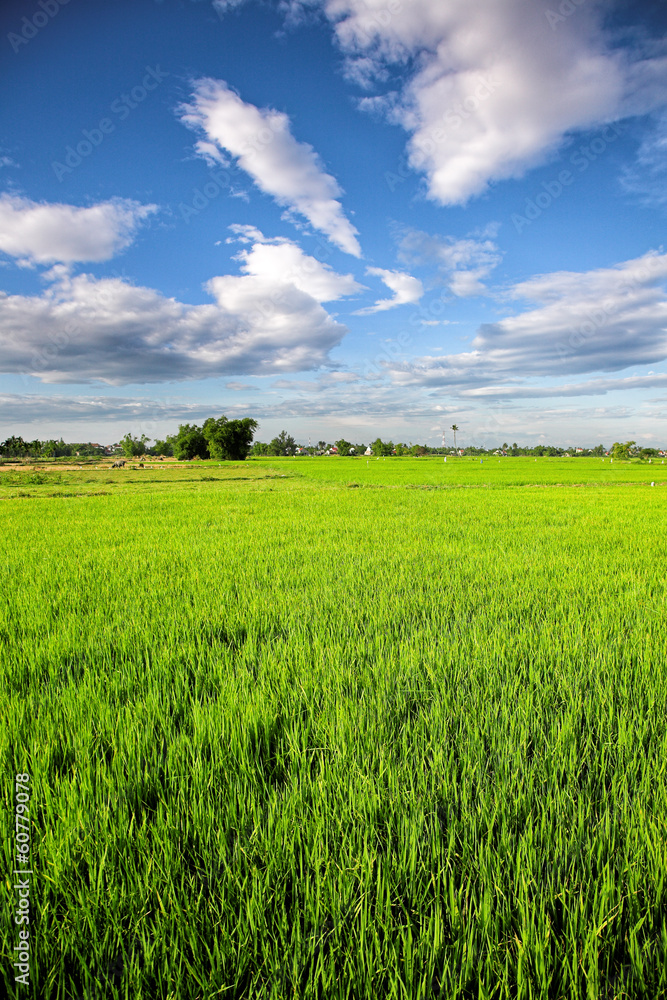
291 739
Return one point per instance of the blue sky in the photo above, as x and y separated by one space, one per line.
343 217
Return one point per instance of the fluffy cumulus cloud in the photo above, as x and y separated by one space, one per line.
279 262
44 233
605 320
406 290
490 89
262 143
462 263
268 319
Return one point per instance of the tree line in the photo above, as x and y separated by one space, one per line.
285 444
218 438
223 439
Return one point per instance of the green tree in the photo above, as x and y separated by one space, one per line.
13 447
381 447
260 448
132 447
454 428
284 444
343 447
190 443
165 447
622 450
229 440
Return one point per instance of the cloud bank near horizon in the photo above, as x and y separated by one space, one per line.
604 320
266 320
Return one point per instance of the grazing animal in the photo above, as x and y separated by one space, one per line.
118 464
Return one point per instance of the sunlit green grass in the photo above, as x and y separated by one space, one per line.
469 471
292 738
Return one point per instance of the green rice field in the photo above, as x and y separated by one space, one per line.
336 728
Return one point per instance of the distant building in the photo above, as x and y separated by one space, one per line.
369 451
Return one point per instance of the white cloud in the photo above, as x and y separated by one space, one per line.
262 143
592 387
44 233
648 177
223 6
281 262
266 320
596 321
333 378
406 289
210 152
492 89
462 262
249 234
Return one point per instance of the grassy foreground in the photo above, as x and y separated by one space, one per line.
328 729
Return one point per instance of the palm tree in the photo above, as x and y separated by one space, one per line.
454 428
